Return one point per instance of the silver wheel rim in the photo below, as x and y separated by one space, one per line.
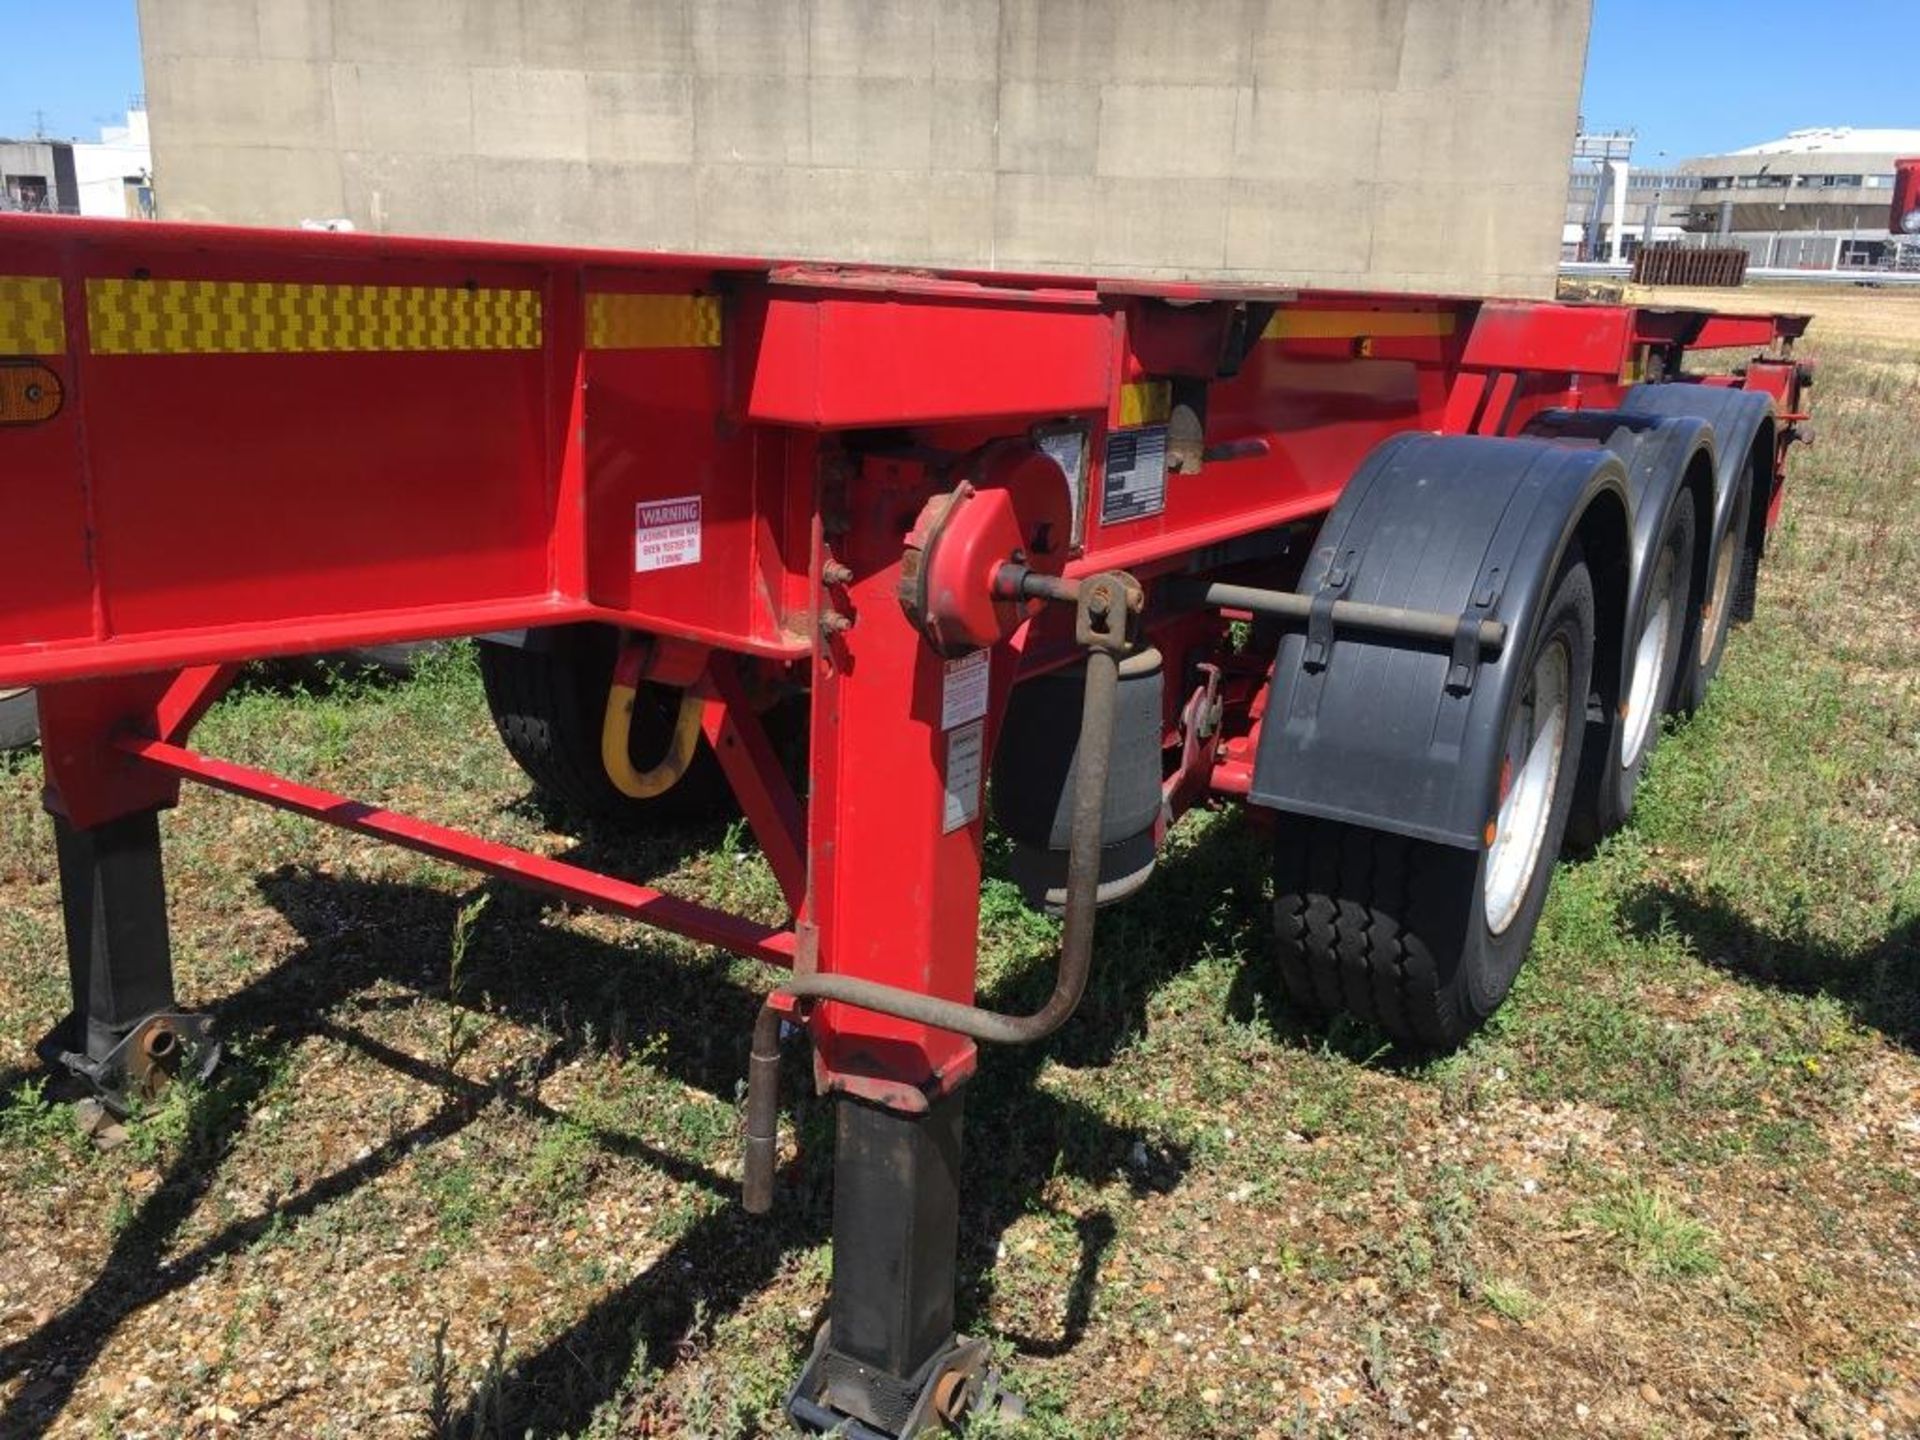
1722 583
1536 742
1649 664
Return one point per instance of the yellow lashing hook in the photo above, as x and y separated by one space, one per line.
618 727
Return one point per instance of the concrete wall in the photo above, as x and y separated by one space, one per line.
1406 144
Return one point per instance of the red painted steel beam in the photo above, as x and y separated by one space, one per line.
1527 336
845 359
1742 332
754 772
537 872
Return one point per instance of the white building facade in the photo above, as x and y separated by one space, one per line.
1816 199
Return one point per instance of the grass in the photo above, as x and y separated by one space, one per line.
471 1166
1654 1237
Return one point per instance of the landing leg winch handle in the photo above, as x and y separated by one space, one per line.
1104 607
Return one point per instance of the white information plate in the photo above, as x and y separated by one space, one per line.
666 533
966 749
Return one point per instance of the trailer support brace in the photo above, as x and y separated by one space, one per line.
571 883
124 1037
887 1362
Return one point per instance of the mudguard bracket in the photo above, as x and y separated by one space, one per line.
1333 587
1465 664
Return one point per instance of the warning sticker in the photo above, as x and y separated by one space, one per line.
963 690
1136 478
965 750
666 533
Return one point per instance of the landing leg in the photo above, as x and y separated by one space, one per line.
124 1037
888 1363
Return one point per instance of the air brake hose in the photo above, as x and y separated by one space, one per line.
989 1026
616 732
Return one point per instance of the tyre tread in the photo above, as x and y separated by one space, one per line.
1359 913
534 699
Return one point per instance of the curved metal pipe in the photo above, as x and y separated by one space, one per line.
989 1026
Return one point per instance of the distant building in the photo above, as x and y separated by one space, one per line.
38 175
111 177
1814 199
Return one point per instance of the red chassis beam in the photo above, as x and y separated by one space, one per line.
263 443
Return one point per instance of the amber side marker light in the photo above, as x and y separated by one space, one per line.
29 393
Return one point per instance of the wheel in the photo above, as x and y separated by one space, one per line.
1614 752
19 719
1424 939
1706 637
549 704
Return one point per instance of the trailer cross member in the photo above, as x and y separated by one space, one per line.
572 883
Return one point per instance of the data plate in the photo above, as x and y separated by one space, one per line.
966 754
1135 484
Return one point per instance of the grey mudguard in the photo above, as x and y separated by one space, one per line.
1658 452
1736 416
1378 737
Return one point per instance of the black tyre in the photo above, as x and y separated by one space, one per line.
549 702
19 719
1746 583
1716 593
1614 753
1746 580
397 661
1422 939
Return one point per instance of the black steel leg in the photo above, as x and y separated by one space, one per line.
124 1037
888 1360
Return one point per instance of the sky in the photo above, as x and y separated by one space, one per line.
1692 77
76 60
1702 77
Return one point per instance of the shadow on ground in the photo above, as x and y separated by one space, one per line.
586 993
1878 982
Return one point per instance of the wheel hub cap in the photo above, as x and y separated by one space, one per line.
1536 743
1649 665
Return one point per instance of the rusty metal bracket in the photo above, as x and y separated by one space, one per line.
166 1046
955 1384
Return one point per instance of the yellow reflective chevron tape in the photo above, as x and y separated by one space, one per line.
31 322
1353 324
1146 402
267 317
652 322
